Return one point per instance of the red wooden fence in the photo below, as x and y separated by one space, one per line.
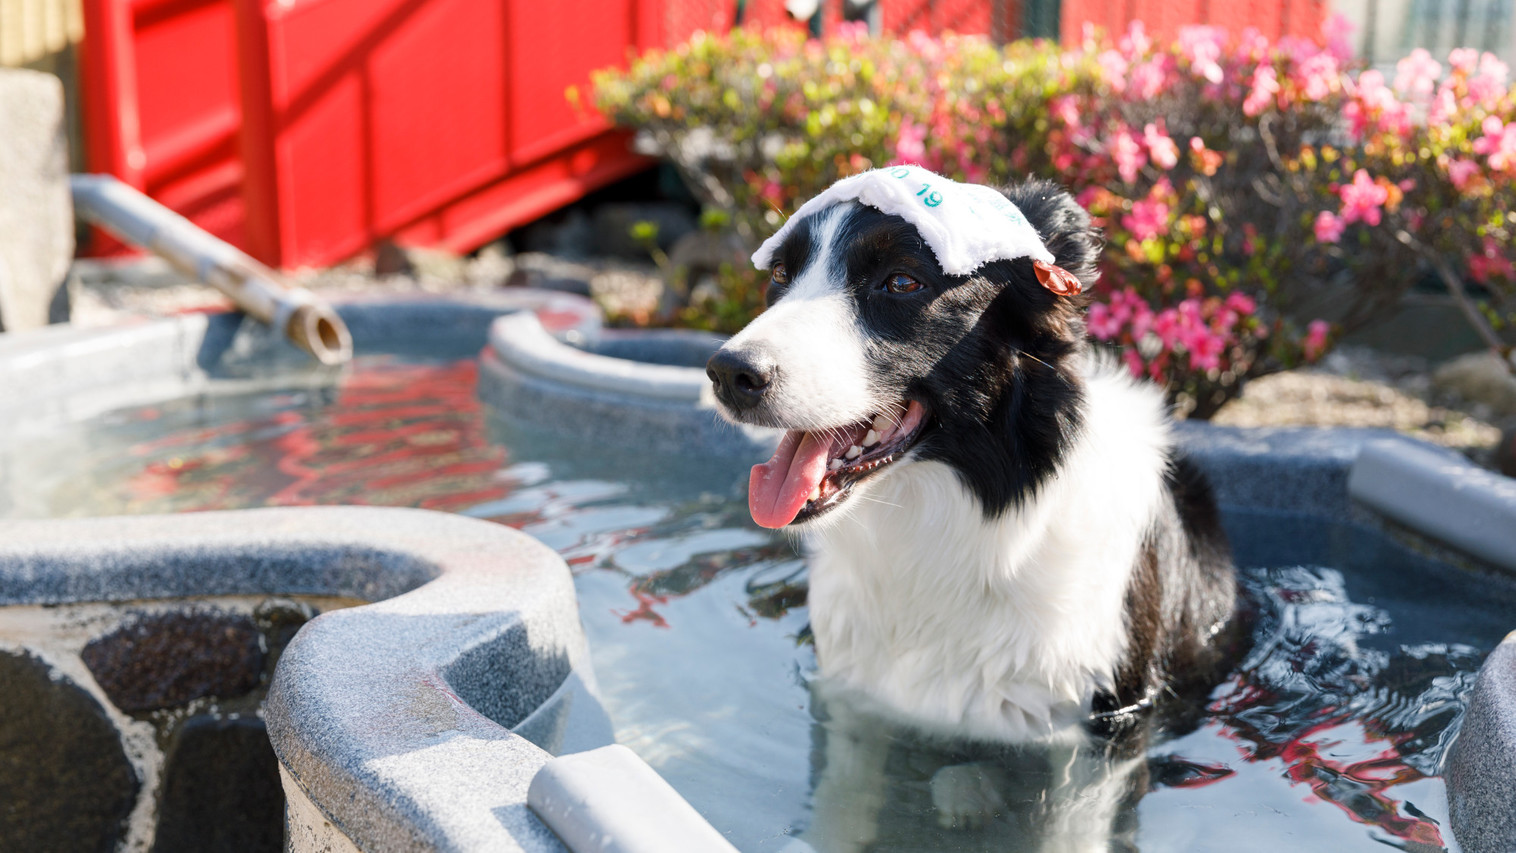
306 130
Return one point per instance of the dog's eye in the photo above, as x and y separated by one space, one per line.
901 283
779 275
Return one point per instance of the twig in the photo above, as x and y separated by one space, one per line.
1455 287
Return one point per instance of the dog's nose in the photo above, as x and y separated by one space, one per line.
740 377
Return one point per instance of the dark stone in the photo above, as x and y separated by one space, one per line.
613 223
221 789
167 659
65 783
1505 453
280 619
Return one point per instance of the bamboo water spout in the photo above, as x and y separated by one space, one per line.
257 290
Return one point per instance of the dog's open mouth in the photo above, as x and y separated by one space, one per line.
812 472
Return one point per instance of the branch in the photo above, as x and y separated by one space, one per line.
1454 284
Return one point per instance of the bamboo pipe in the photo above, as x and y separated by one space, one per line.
308 322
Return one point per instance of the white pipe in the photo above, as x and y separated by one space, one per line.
309 323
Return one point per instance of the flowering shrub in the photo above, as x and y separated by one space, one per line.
1249 189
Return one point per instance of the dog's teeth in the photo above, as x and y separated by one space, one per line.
854 452
881 423
871 439
815 493
834 464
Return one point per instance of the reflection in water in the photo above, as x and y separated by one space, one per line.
1327 737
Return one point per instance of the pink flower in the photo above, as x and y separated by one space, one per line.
1328 227
1490 263
1066 109
1166 327
1128 154
1265 87
1161 148
1253 45
1362 199
1489 84
1498 143
1102 323
910 143
1113 68
1464 59
1205 353
1202 46
1147 79
1417 73
1241 303
1136 41
1318 76
1133 362
1338 32
1460 172
1147 219
1315 341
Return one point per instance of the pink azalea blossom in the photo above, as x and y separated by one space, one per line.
1318 74
1128 154
1460 171
1362 199
1113 68
1205 351
1147 80
1252 44
1498 143
1417 73
1338 32
1161 148
1241 303
1315 341
1133 362
1148 219
1328 227
1464 59
1202 46
1489 84
1136 42
1491 262
1102 322
1265 87
910 143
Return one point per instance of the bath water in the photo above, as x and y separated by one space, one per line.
1328 736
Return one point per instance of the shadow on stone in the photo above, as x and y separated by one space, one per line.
168 659
221 789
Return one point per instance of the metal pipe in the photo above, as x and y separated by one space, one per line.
257 290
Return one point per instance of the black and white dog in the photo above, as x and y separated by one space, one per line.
1001 539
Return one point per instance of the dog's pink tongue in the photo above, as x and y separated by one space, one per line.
779 487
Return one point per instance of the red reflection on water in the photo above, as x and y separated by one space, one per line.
1311 754
396 435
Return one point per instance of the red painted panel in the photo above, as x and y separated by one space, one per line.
553 49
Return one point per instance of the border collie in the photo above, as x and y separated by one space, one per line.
1002 542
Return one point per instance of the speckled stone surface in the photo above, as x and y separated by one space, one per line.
370 708
1481 765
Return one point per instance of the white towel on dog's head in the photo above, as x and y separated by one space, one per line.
966 225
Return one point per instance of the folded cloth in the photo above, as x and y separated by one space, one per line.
966 225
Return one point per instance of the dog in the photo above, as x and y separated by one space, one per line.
1002 539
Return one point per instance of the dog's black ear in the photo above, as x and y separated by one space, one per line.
1064 226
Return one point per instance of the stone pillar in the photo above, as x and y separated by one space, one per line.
36 216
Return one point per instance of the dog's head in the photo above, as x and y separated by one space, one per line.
870 356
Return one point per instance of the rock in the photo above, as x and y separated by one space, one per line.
1505 453
1480 378
65 783
36 213
570 234
221 789
167 659
535 269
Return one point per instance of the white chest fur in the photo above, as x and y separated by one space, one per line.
1000 629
